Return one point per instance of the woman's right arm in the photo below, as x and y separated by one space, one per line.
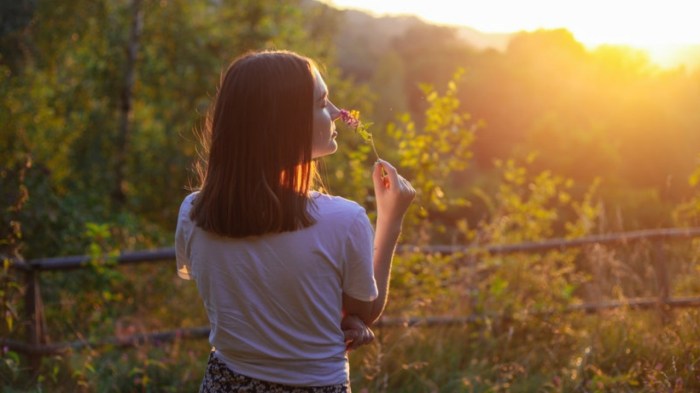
394 195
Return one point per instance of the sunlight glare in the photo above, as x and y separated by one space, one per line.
661 27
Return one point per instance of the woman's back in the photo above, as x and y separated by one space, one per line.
274 301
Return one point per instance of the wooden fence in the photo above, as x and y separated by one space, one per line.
34 347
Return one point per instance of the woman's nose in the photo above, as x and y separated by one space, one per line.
335 112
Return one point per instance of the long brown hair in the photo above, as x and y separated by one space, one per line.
257 145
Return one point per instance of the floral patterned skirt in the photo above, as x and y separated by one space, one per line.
221 379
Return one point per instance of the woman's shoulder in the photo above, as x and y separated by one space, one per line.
327 203
187 203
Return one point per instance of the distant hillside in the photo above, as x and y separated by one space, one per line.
362 38
481 40
384 28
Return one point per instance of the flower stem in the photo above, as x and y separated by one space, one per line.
374 148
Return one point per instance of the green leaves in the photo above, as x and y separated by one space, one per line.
687 213
430 152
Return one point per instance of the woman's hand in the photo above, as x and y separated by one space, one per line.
393 193
356 332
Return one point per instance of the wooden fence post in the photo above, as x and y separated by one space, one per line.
662 280
34 315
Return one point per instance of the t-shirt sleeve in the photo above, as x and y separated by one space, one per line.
182 238
358 271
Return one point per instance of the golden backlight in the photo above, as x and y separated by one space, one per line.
663 28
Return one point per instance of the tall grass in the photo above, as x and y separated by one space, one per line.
510 348
618 351
622 350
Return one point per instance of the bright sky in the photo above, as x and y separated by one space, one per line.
635 22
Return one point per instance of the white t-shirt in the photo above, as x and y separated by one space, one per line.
274 302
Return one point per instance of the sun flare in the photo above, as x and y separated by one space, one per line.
661 28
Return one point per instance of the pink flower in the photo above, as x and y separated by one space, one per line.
352 119
349 118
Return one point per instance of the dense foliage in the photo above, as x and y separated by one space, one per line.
100 102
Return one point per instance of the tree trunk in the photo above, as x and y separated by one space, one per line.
122 141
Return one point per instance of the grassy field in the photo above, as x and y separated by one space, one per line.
506 350
619 351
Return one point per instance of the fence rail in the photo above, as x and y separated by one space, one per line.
163 254
35 345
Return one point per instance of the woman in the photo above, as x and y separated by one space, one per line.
281 269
